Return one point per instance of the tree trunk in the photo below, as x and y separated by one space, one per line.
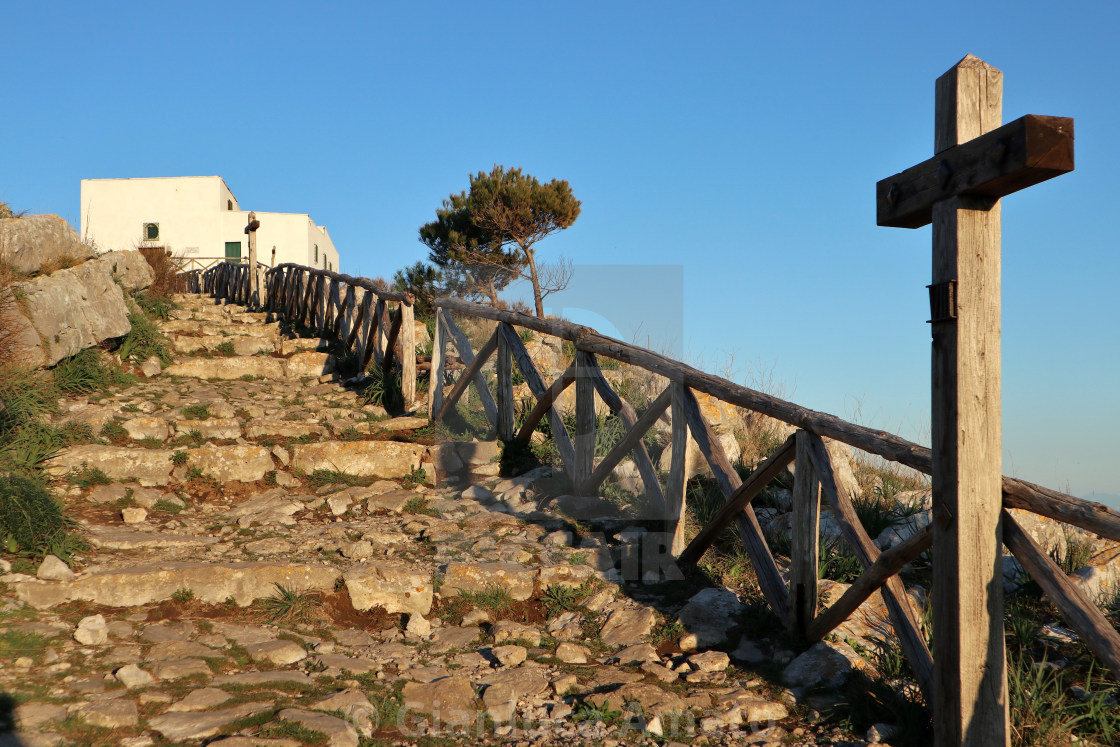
535 280
492 293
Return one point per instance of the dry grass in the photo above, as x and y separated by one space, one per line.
9 327
166 268
64 262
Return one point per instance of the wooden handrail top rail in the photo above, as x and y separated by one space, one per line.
1089 515
368 285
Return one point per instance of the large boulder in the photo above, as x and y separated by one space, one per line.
130 269
74 309
29 243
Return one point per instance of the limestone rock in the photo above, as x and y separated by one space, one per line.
53 569
133 515
387 459
572 653
708 617
639 653
517 579
110 714
217 428
824 663
200 700
627 626
282 429
149 467
74 309
450 700
146 427
133 676
231 463
129 269
396 587
709 661
31 715
278 653
339 733
509 656
151 367
507 630
211 583
92 631
175 669
30 242
179 726
652 698
228 368
308 364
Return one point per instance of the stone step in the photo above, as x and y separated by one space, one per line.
213 583
242 345
204 327
153 467
298 365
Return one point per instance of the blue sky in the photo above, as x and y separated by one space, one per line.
737 142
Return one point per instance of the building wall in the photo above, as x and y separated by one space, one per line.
195 220
189 211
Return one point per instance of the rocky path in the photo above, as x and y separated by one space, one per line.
273 563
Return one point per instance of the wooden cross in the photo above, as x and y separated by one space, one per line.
251 231
958 190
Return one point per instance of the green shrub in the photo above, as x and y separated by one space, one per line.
381 389
27 395
1076 554
24 448
225 348
31 521
114 432
86 372
155 306
196 412
87 477
143 341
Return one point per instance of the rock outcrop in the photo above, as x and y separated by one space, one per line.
30 243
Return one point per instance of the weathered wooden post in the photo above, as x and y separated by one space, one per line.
976 163
251 231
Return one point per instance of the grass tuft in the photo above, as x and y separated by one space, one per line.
144 340
290 606
88 372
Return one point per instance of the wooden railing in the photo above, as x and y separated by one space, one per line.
358 313
795 602
353 310
232 281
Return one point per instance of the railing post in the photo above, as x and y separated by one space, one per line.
804 532
504 367
676 483
408 354
585 418
435 373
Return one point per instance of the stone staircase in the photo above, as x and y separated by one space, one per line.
272 562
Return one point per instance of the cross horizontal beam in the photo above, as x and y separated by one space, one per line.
1027 151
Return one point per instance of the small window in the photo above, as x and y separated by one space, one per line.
316 252
151 232
229 204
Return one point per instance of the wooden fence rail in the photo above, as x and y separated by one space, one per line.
353 310
794 601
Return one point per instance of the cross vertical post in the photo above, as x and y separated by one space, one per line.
251 231
977 161
968 667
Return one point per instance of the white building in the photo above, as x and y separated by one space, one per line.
196 217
